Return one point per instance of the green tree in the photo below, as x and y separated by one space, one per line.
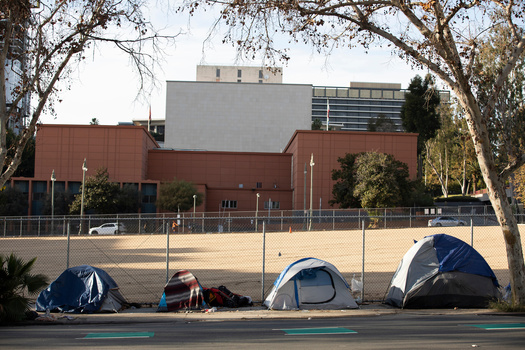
94 121
343 190
177 195
43 41
317 124
13 202
100 195
16 280
381 181
381 123
128 199
62 203
506 127
419 112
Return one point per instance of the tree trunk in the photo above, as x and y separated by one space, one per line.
512 237
498 198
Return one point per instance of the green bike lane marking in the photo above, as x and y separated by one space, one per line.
498 326
119 335
317 331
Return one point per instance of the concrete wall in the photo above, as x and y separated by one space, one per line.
235 117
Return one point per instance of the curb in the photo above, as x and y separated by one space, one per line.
149 315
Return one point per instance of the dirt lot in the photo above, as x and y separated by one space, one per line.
139 265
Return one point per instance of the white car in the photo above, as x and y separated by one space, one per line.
446 221
107 229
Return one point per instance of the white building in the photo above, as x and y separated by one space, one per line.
238 117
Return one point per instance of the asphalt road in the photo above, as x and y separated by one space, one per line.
396 331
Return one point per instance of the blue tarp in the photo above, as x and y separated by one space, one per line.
455 255
80 289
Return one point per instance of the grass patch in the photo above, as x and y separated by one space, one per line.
456 198
504 306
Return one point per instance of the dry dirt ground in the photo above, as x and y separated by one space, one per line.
140 266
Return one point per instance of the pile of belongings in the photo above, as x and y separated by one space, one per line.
222 296
184 292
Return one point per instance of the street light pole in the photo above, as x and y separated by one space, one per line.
84 169
311 186
304 199
194 203
257 213
53 179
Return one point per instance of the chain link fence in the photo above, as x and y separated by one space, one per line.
243 252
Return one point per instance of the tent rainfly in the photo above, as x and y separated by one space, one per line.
81 289
441 271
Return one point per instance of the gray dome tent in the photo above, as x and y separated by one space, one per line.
441 271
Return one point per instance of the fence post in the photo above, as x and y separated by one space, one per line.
333 220
167 253
68 236
21 225
471 233
363 266
203 222
263 260
5 226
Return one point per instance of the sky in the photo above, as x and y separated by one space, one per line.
105 87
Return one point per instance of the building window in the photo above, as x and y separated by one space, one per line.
149 199
226 204
238 80
218 73
259 185
274 205
260 81
239 73
260 74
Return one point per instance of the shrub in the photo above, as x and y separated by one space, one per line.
15 279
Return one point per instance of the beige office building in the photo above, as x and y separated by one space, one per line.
240 74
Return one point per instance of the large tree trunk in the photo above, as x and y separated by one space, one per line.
498 198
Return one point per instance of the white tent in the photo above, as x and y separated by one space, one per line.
310 283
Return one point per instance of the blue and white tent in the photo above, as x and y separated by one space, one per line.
310 283
441 271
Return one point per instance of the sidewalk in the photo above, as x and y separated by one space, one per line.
149 315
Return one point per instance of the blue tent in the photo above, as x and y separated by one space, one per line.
81 289
441 271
